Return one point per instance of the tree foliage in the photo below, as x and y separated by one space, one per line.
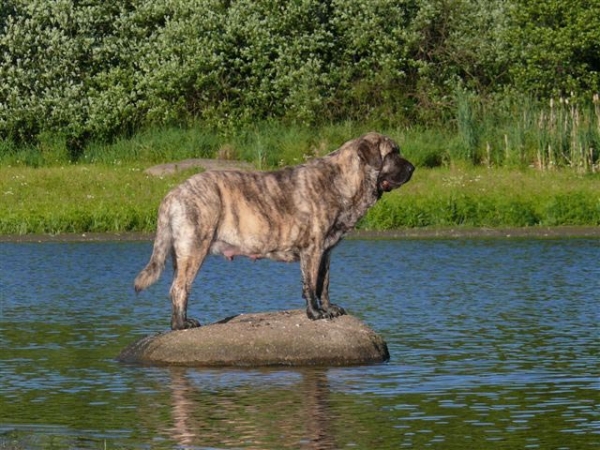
101 68
555 46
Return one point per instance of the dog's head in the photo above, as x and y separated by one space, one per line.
383 154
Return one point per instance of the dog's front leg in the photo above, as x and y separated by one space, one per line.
329 309
315 285
310 261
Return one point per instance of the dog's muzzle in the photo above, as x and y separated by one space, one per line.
394 174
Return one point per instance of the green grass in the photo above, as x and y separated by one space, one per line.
119 198
487 171
79 198
480 197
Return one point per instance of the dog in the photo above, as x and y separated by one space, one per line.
298 213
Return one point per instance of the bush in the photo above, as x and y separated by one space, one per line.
106 68
554 47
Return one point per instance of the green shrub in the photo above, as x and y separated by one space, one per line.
575 208
74 73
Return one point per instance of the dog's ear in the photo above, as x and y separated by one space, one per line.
368 151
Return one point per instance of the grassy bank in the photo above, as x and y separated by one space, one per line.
512 183
121 197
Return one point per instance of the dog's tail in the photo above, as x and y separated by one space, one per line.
162 247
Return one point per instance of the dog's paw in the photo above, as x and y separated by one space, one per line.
191 323
314 314
185 324
333 311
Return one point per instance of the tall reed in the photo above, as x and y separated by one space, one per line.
568 134
562 132
468 124
504 131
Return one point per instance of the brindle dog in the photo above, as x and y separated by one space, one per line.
294 214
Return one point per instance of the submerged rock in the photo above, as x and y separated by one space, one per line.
265 339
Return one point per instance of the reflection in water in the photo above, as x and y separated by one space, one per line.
184 431
494 344
293 416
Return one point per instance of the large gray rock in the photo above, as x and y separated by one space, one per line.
200 163
265 339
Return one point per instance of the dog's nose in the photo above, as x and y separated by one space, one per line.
409 169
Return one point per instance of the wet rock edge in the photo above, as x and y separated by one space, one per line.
281 338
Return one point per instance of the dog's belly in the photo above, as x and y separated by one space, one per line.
230 251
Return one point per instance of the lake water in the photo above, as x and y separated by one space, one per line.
494 344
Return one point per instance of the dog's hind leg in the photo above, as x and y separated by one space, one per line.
187 263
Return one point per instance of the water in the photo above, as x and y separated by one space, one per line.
494 344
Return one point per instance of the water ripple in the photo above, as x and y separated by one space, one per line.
493 345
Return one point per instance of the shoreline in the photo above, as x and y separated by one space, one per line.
409 233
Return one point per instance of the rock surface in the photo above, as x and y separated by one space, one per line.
275 338
206 164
